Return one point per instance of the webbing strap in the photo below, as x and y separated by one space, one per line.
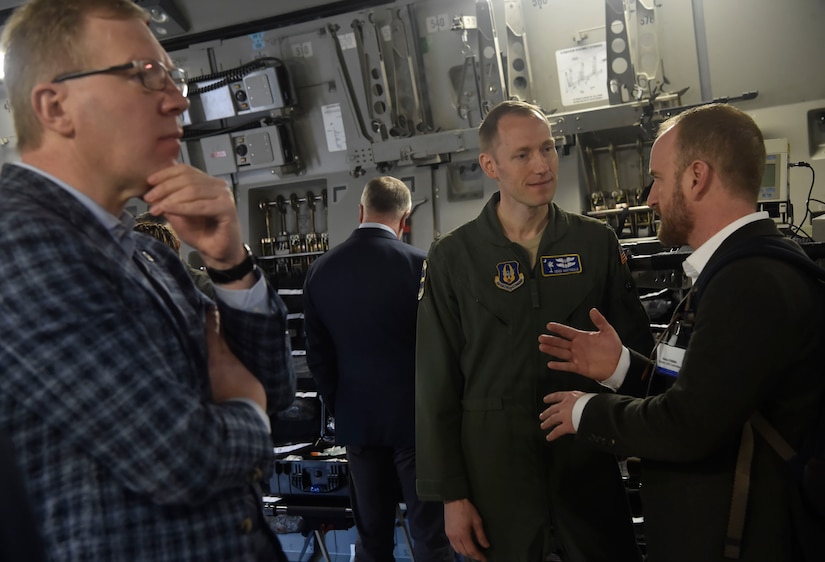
739 499
772 437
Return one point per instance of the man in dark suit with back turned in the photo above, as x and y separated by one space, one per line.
360 302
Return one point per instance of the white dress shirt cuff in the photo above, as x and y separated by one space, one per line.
617 378
578 408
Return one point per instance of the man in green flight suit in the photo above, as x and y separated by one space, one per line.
488 290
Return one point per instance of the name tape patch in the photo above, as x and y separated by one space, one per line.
561 265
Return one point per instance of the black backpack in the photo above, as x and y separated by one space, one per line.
807 465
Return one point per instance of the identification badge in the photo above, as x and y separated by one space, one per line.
669 359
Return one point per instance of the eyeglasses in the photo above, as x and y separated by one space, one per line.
151 73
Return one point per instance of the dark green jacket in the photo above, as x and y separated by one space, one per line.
480 379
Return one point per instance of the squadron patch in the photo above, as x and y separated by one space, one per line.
423 279
509 278
561 265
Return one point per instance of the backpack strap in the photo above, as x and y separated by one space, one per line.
787 251
739 501
741 479
774 439
765 246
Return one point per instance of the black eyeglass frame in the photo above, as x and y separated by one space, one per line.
182 85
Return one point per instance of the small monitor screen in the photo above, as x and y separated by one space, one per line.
770 190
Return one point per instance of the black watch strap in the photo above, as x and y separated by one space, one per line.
221 276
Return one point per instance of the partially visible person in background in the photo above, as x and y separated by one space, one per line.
360 302
157 228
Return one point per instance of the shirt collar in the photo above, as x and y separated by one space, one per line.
378 225
120 228
694 263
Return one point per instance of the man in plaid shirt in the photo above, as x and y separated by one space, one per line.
140 421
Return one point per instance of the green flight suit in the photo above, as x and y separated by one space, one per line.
480 379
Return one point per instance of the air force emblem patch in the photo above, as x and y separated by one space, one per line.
561 265
509 278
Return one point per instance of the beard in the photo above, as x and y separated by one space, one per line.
675 225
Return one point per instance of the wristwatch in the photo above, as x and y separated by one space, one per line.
222 276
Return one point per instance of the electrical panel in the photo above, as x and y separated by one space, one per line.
241 91
214 155
250 149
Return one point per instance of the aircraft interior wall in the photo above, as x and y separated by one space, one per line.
400 87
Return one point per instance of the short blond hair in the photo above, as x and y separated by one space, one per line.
41 40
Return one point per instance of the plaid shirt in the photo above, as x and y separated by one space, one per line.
104 389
